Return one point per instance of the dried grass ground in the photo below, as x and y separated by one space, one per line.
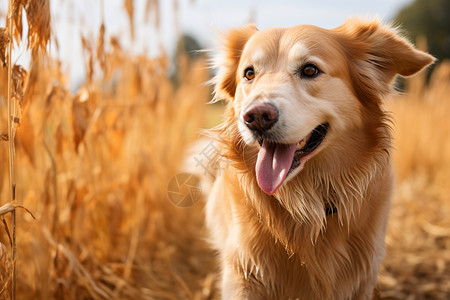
93 168
417 264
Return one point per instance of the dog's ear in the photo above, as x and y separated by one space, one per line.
380 51
234 42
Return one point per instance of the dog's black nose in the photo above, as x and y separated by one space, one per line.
261 117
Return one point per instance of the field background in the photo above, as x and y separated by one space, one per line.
91 167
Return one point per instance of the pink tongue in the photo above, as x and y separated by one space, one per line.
273 164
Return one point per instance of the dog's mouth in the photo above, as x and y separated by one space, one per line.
275 160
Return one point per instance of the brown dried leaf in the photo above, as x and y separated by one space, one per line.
129 7
10 206
80 117
19 77
16 16
4 41
90 69
114 41
25 138
59 138
3 158
38 19
101 47
49 101
87 47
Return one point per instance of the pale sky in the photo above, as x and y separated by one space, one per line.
196 17
204 14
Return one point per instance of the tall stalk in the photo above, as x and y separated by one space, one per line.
11 153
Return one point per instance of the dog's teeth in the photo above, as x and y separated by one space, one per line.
301 144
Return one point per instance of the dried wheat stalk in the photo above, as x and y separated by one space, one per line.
11 157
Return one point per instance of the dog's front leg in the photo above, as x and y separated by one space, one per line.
236 287
367 289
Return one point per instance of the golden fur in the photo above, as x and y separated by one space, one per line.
285 245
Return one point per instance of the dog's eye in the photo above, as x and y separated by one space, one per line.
249 73
310 71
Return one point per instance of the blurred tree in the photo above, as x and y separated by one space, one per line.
187 52
429 18
189 45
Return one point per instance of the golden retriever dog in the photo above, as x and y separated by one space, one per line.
299 210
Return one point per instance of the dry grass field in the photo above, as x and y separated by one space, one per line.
417 265
92 216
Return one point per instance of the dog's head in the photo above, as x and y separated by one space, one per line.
309 94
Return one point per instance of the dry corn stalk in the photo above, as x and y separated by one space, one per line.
11 149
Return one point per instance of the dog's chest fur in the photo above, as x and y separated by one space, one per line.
276 257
